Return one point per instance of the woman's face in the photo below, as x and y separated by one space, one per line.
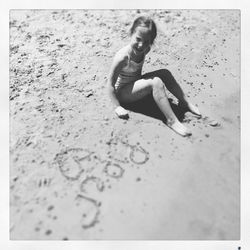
140 40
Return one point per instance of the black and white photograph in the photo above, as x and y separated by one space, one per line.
124 124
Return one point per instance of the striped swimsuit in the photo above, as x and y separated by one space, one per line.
130 73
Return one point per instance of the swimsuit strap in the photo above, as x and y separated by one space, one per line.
141 62
129 58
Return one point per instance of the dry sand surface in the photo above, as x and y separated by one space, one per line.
79 172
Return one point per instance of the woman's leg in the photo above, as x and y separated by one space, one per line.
171 84
143 87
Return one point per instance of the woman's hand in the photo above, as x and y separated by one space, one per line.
121 112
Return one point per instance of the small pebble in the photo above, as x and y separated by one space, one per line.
50 208
88 94
48 232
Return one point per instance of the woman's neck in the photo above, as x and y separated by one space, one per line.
136 58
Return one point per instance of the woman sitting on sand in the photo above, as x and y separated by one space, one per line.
126 84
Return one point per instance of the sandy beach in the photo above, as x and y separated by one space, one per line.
77 172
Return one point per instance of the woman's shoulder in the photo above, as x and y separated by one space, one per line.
122 54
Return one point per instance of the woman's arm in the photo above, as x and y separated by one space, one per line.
118 63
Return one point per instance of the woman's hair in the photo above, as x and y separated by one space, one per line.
145 21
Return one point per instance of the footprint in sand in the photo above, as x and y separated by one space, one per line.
44 182
210 122
43 39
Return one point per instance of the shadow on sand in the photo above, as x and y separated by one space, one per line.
147 106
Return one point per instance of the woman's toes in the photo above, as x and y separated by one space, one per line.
180 129
193 109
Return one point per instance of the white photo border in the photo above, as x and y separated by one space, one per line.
5 243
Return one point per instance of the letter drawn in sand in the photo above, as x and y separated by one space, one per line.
114 170
138 155
97 181
70 162
73 162
90 211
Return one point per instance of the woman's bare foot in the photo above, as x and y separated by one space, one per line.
179 128
191 108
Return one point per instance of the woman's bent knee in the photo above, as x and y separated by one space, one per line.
157 83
